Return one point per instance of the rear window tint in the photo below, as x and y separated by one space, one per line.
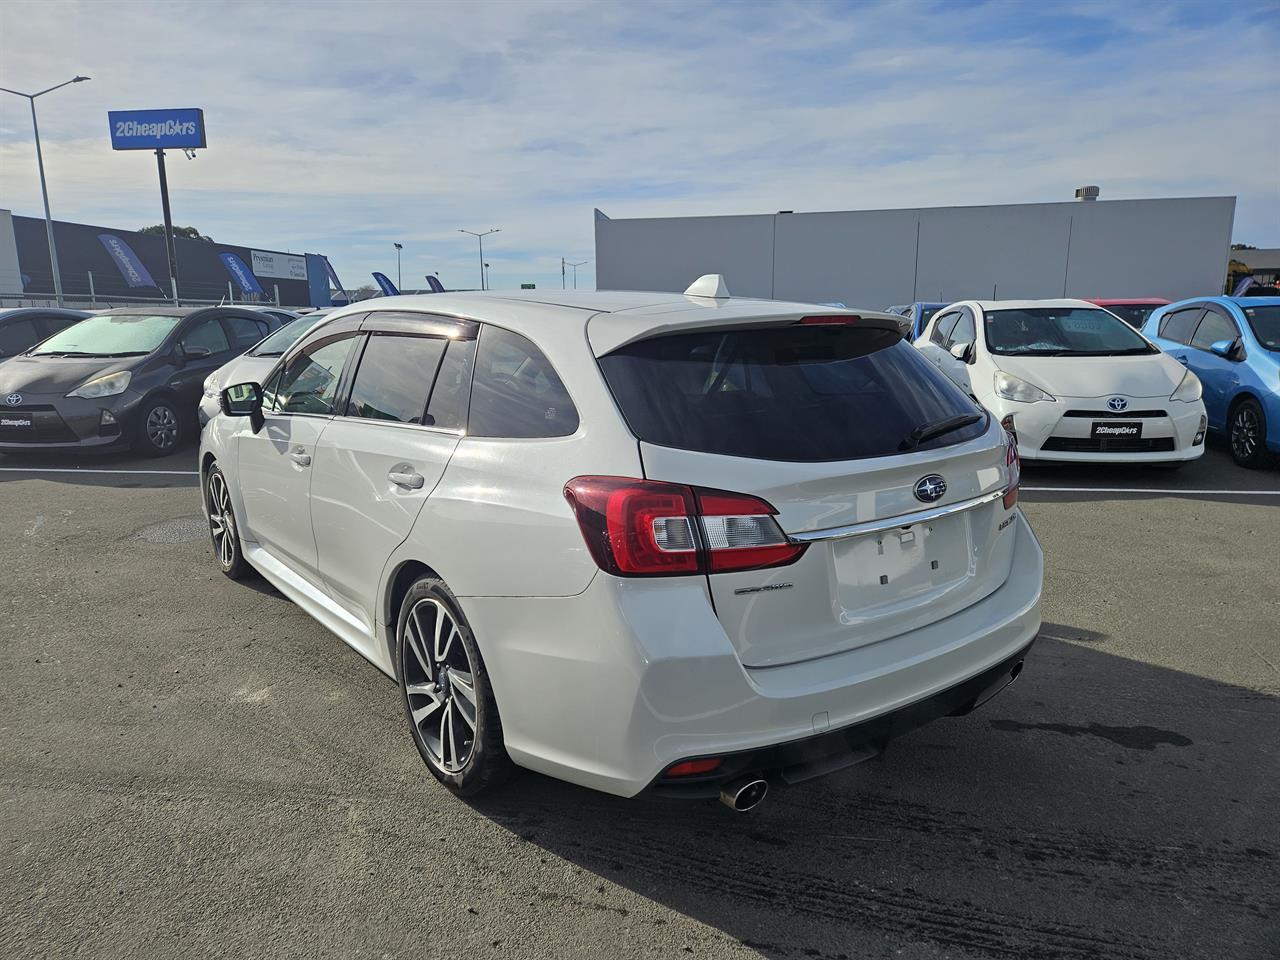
794 393
516 392
394 378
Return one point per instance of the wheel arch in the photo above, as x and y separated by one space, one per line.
403 576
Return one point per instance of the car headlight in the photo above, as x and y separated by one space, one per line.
1189 390
212 383
1014 388
109 386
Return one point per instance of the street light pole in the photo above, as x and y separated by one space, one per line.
480 237
44 189
399 278
575 271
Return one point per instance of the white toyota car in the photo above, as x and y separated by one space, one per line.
682 543
1078 382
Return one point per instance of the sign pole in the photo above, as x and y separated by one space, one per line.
168 221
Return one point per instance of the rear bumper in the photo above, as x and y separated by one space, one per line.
611 687
826 753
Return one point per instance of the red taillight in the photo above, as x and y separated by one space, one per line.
832 320
636 528
741 534
690 768
1013 464
644 528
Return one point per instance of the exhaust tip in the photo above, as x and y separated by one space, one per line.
1017 669
744 794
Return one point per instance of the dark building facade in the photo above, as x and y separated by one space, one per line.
109 264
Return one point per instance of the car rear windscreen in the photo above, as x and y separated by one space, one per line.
798 393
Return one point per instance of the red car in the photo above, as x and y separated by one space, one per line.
1132 310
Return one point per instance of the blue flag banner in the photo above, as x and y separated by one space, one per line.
384 283
435 285
240 273
127 262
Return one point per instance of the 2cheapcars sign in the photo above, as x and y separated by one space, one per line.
156 129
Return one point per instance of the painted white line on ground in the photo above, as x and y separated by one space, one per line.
165 473
1218 493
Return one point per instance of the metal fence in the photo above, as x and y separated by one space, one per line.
79 292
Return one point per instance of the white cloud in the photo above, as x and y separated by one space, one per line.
340 128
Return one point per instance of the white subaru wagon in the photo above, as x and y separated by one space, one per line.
684 544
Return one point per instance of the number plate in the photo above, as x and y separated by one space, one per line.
1116 430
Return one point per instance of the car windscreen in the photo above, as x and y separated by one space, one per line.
1061 332
284 338
797 393
1265 321
110 335
1134 314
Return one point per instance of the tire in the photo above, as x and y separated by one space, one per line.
223 529
1247 434
160 428
458 735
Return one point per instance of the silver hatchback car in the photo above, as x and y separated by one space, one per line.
638 541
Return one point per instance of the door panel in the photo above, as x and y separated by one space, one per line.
359 513
275 470
1219 376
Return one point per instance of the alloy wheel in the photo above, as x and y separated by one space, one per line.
440 681
162 427
222 522
1245 430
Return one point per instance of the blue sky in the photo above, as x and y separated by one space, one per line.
342 127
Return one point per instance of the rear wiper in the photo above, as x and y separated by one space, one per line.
928 431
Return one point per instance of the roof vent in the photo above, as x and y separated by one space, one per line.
709 285
1087 193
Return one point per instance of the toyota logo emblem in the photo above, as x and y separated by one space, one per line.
930 488
13 399
1118 403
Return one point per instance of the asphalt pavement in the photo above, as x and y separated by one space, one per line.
194 767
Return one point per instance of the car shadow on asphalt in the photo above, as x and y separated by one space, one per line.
1098 807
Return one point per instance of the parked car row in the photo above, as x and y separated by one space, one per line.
1134 380
125 377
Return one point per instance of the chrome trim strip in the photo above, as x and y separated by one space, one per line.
893 523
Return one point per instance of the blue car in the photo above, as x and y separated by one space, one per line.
1233 345
919 313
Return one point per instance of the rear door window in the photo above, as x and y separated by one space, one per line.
796 393
1179 325
394 378
451 394
516 392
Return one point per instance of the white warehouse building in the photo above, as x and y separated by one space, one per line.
1173 248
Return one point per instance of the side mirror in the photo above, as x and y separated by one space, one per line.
963 351
194 353
243 400
1232 350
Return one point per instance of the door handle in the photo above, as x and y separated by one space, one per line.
300 458
409 478
1181 359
